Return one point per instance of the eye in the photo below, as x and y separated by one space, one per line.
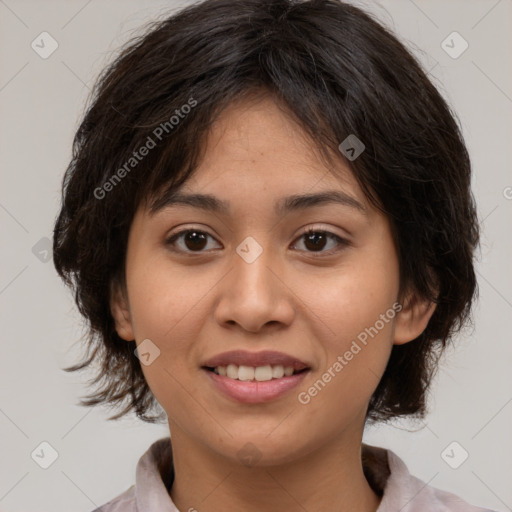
315 241
194 241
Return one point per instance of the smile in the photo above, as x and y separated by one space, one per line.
260 373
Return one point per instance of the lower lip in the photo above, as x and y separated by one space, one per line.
254 392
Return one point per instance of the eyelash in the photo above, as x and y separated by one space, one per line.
342 243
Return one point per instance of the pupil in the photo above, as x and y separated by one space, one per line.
193 241
318 240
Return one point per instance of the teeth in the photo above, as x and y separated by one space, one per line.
277 372
262 373
245 373
248 373
288 371
232 371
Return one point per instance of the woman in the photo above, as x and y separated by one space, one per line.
269 226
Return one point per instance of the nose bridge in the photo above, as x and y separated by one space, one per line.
253 294
252 262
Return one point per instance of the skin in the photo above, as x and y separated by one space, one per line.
292 299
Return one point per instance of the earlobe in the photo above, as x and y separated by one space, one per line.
121 313
412 319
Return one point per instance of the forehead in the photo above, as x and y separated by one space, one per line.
255 145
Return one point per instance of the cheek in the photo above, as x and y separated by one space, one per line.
352 365
355 316
168 306
157 303
162 297
352 299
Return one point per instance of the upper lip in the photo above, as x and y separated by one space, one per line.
263 358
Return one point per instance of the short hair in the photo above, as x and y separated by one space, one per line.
337 72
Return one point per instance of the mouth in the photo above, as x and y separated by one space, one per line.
256 374
260 366
255 377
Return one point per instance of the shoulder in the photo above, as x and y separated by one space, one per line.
153 479
405 492
125 502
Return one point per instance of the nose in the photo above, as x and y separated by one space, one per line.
254 294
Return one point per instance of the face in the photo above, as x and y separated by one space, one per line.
247 286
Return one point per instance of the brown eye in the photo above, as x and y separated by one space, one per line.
316 240
193 240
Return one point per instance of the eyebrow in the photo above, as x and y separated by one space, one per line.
285 205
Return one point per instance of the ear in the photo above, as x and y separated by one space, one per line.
412 319
121 311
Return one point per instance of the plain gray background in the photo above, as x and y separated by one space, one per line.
41 101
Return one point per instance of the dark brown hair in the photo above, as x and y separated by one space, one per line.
338 72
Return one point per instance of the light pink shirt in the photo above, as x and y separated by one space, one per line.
385 471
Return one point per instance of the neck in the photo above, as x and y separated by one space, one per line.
329 479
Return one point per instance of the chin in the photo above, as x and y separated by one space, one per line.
261 450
